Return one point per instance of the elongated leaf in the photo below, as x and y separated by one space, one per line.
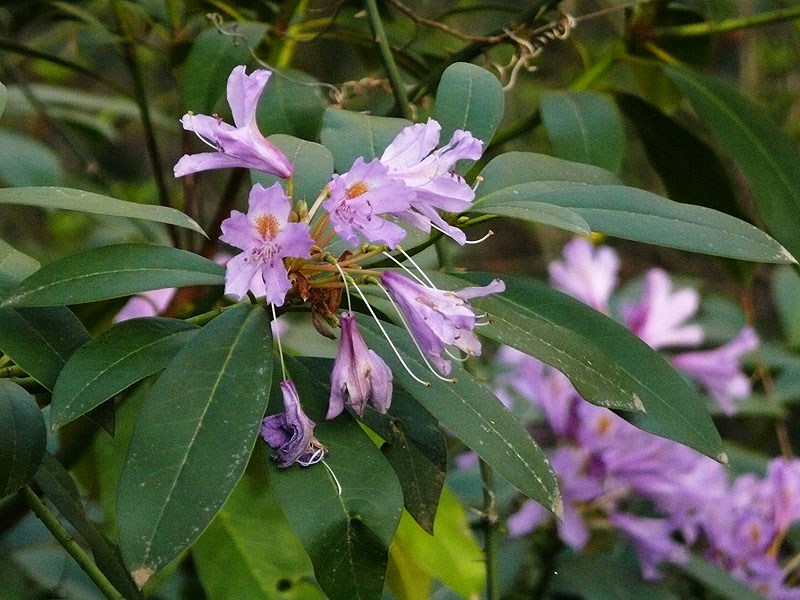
117 358
292 105
349 135
470 98
111 272
584 127
765 154
56 483
312 164
720 582
474 416
529 309
193 438
345 527
89 202
3 98
642 216
786 290
26 161
251 552
14 266
538 212
22 437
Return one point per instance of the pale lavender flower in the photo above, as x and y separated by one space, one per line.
437 318
359 375
718 370
266 237
527 518
241 145
586 273
652 539
146 304
783 479
769 579
359 198
291 432
412 157
659 317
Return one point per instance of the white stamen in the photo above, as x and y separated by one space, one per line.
278 338
454 357
335 479
346 287
482 324
318 455
413 339
489 234
405 268
205 141
386 335
411 260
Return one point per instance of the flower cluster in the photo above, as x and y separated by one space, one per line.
284 257
605 465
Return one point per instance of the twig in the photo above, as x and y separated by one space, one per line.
490 39
710 28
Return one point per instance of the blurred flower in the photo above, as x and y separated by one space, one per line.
266 237
652 539
239 146
358 374
291 432
146 304
587 273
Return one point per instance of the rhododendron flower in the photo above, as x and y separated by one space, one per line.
291 432
652 539
659 317
718 370
413 158
438 318
146 304
241 145
358 374
586 273
266 237
360 196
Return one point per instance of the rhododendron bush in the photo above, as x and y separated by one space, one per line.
399 300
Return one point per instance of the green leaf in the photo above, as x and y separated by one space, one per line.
312 167
3 98
111 272
89 202
474 416
720 582
213 56
634 214
25 161
529 309
537 212
14 266
60 489
117 358
194 435
251 552
349 135
347 534
766 155
584 127
292 105
22 437
470 98
786 290
41 340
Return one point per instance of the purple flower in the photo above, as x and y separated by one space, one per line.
146 304
360 196
658 318
587 273
529 516
652 539
266 237
718 370
292 432
438 318
783 479
413 158
239 146
358 374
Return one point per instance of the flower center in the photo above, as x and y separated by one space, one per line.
267 226
358 188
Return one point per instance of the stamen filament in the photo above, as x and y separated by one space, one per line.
405 268
335 479
411 260
346 288
489 234
278 338
454 357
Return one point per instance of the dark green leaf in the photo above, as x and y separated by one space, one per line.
786 290
474 415
347 534
766 155
349 135
14 266
470 98
584 127
71 199
719 581
193 438
292 105
312 163
26 161
537 212
3 98
111 272
117 358
56 483
642 216
22 437
529 309
236 557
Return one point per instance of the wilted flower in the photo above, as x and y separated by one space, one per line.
360 196
438 318
266 237
358 374
586 273
291 432
239 146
